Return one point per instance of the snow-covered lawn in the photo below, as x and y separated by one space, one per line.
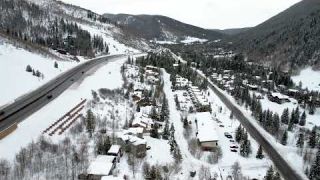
310 79
16 80
108 76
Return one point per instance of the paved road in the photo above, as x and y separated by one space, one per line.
281 164
27 104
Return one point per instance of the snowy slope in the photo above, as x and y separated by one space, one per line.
15 78
310 79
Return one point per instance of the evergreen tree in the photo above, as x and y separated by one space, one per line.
276 124
56 64
29 68
300 141
303 118
296 116
154 131
270 174
277 176
285 116
315 168
166 132
245 146
260 153
185 123
138 108
284 138
313 138
239 133
90 122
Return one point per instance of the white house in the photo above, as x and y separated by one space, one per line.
103 165
206 134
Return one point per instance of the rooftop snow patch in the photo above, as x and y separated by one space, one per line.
206 127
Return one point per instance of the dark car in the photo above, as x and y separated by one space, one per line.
234 146
233 150
148 148
221 125
228 135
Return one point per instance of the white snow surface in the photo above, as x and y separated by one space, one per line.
15 78
310 79
190 40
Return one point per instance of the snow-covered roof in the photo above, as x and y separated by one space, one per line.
135 130
111 178
279 95
102 165
131 138
114 149
206 128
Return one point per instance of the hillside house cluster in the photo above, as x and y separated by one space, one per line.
152 74
199 99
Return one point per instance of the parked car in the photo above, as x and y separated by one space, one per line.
231 140
148 147
228 135
234 146
221 125
233 150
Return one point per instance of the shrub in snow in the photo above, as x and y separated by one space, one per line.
56 64
29 68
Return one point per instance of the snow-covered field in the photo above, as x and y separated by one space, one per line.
16 80
108 76
190 40
310 79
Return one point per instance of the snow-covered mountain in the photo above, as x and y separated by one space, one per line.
161 28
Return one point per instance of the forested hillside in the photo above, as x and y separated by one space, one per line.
58 26
290 39
160 27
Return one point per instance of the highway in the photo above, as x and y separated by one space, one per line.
29 103
281 164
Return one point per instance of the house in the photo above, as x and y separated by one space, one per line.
278 98
116 151
252 87
134 144
144 122
137 131
206 133
111 178
103 165
152 68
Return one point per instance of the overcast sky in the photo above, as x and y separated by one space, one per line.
213 14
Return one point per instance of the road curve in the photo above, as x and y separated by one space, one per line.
281 164
27 104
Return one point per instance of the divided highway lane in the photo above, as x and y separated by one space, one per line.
27 104
281 164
